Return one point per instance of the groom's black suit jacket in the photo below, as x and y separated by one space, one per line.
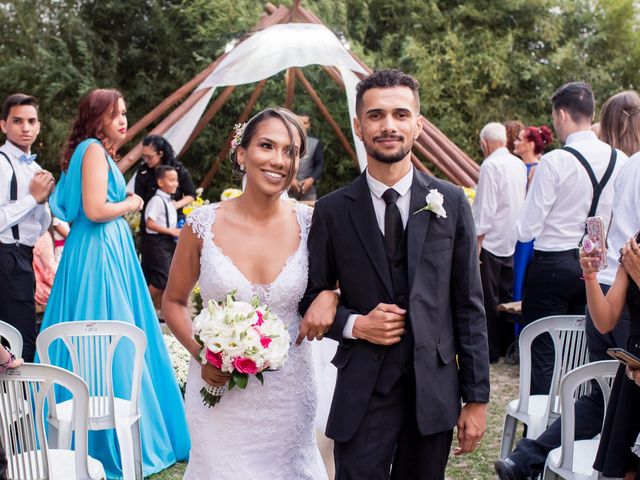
445 302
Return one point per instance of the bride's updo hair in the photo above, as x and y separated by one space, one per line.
291 122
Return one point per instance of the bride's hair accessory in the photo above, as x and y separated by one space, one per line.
237 137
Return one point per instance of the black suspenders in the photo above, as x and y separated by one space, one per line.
166 212
13 196
598 187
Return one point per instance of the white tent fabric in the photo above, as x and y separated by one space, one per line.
266 53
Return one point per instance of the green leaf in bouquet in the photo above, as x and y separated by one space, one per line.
232 383
255 301
240 379
260 377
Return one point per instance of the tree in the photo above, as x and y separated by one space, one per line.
476 60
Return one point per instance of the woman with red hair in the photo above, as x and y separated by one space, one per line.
529 146
99 278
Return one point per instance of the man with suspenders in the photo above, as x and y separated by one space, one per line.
570 184
24 190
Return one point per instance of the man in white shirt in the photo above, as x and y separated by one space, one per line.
499 199
530 454
570 185
24 189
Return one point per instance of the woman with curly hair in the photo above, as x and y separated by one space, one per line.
99 278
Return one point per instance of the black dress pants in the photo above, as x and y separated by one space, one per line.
496 274
17 294
553 286
388 445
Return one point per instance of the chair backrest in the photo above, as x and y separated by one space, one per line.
13 336
602 372
92 348
22 428
570 343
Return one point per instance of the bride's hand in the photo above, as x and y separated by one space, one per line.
214 376
319 317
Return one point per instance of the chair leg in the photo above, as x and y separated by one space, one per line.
60 436
130 450
508 435
137 450
548 474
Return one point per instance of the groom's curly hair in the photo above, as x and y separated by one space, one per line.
386 78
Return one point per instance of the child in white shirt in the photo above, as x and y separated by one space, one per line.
160 242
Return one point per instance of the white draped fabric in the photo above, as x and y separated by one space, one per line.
266 53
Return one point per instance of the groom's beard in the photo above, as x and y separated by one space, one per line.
384 157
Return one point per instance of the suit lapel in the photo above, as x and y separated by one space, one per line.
418 224
364 219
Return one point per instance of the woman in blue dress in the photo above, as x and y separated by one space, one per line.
99 278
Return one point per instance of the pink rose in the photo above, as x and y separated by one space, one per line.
260 321
265 342
214 359
245 365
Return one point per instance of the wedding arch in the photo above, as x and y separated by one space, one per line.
284 39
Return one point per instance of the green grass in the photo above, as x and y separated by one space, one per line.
475 466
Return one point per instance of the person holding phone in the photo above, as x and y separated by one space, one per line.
622 421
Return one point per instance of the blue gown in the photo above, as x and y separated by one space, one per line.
99 278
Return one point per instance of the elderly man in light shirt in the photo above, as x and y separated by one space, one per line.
499 199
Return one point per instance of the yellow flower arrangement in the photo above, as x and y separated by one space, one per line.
230 193
470 193
197 203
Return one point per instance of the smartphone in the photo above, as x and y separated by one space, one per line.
595 240
622 355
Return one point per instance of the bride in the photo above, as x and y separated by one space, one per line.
255 244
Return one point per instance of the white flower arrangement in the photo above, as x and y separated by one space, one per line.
240 338
179 359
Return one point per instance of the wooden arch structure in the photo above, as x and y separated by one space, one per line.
432 145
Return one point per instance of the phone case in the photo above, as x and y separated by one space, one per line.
596 240
625 357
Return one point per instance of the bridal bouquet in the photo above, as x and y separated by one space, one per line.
239 338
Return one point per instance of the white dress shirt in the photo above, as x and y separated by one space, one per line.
502 186
625 222
560 194
32 219
156 211
377 188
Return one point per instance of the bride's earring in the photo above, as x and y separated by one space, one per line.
242 169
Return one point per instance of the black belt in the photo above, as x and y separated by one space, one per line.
574 252
6 246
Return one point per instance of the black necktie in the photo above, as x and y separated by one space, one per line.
392 221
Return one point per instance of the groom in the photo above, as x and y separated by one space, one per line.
411 301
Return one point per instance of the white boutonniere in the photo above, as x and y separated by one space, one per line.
434 204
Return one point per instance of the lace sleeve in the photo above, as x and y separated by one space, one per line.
305 213
201 220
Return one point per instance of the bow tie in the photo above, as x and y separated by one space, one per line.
27 158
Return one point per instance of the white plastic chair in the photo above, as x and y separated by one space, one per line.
28 453
538 411
573 460
92 345
13 336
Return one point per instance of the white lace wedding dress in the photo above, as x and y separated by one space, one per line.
261 432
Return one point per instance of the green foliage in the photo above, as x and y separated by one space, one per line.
477 61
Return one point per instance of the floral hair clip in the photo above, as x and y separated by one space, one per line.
237 137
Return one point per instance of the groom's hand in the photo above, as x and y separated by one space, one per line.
384 325
472 424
